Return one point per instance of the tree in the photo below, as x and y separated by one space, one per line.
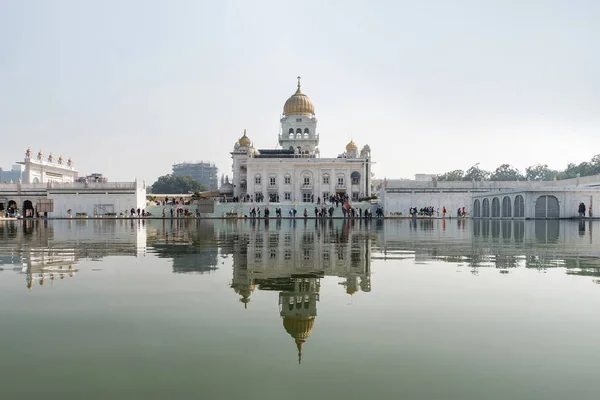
540 172
506 172
456 175
477 174
175 184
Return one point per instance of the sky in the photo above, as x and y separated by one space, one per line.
128 88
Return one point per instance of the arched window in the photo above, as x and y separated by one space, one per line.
306 131
506 207
298 130
477 209
355 177
485 208
547 207
495 207
291 133
326 179
519 207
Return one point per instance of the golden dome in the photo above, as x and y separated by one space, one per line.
300 329
40 154
351 146
299 103
70 160
61 159
244 140
50 157
28 150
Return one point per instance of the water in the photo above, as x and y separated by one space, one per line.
424 309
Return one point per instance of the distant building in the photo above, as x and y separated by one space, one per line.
16 174
424 177
93 177
203 172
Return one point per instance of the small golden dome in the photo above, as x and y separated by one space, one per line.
299 103
244 140
70 160
351 146
50 157
61 159
40 154
28 150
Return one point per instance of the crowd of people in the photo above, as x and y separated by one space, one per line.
319 212
435 212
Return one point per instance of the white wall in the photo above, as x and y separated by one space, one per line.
83 200
402 202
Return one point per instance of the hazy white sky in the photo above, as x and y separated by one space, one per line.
127 88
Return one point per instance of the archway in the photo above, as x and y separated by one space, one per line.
477 209
28 210
495 207
519 207
485 208
11 208
506 208
547 207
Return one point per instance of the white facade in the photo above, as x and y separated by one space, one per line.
96 199
295 172
51 169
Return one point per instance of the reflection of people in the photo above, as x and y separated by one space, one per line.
590 212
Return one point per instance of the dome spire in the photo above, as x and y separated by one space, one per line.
299 344
299 103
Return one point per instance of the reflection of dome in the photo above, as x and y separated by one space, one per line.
244 140
299 103
350 291
299 328
351 146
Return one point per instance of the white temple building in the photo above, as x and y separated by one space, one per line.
40 170
296 172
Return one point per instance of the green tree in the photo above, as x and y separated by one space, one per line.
175 184
540 172
456 175
506 172
477 174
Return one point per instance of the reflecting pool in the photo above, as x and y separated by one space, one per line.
297 309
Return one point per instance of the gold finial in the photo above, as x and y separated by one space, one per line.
299 344
299 82
244 131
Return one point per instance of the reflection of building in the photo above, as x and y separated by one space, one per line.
291 258
188 242
503 244
50 250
